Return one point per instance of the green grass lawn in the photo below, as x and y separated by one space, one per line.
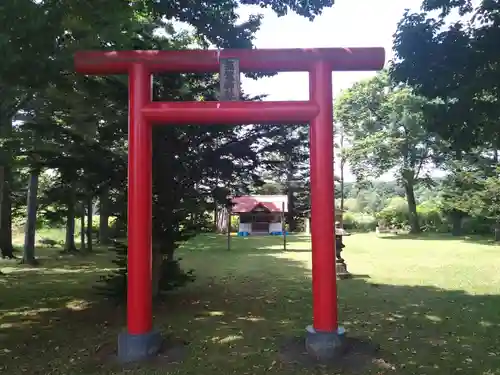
433 303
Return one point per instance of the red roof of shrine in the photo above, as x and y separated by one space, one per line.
273 203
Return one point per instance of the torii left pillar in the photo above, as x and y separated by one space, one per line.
323 338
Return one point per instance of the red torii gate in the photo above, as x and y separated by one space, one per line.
140 340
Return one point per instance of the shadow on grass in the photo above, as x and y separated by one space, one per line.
236 314
472 239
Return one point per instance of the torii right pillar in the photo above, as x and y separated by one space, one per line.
324 339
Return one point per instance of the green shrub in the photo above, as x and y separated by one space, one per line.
356 221
395 214
431 218
477 225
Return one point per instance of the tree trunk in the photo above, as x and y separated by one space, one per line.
342 164
412 207
290 215
169 255
292 225
6 247
455 215
214 195
497 224
157 260
30 228
69 245
341 216
104 217
222 217
497 231
6 159
456 223
82 228
89 222
216 212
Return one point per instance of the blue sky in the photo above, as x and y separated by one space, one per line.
349 23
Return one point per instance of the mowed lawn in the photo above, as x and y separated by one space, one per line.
432 303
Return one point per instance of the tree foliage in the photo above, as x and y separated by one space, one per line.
73 129
455 65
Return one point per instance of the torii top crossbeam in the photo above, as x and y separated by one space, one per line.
250 60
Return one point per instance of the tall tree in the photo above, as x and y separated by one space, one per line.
284 156
387 131
454 65
341 155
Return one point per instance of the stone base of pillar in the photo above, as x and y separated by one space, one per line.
336 351
324 346
134 348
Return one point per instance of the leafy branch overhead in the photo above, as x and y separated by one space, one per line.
455 66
